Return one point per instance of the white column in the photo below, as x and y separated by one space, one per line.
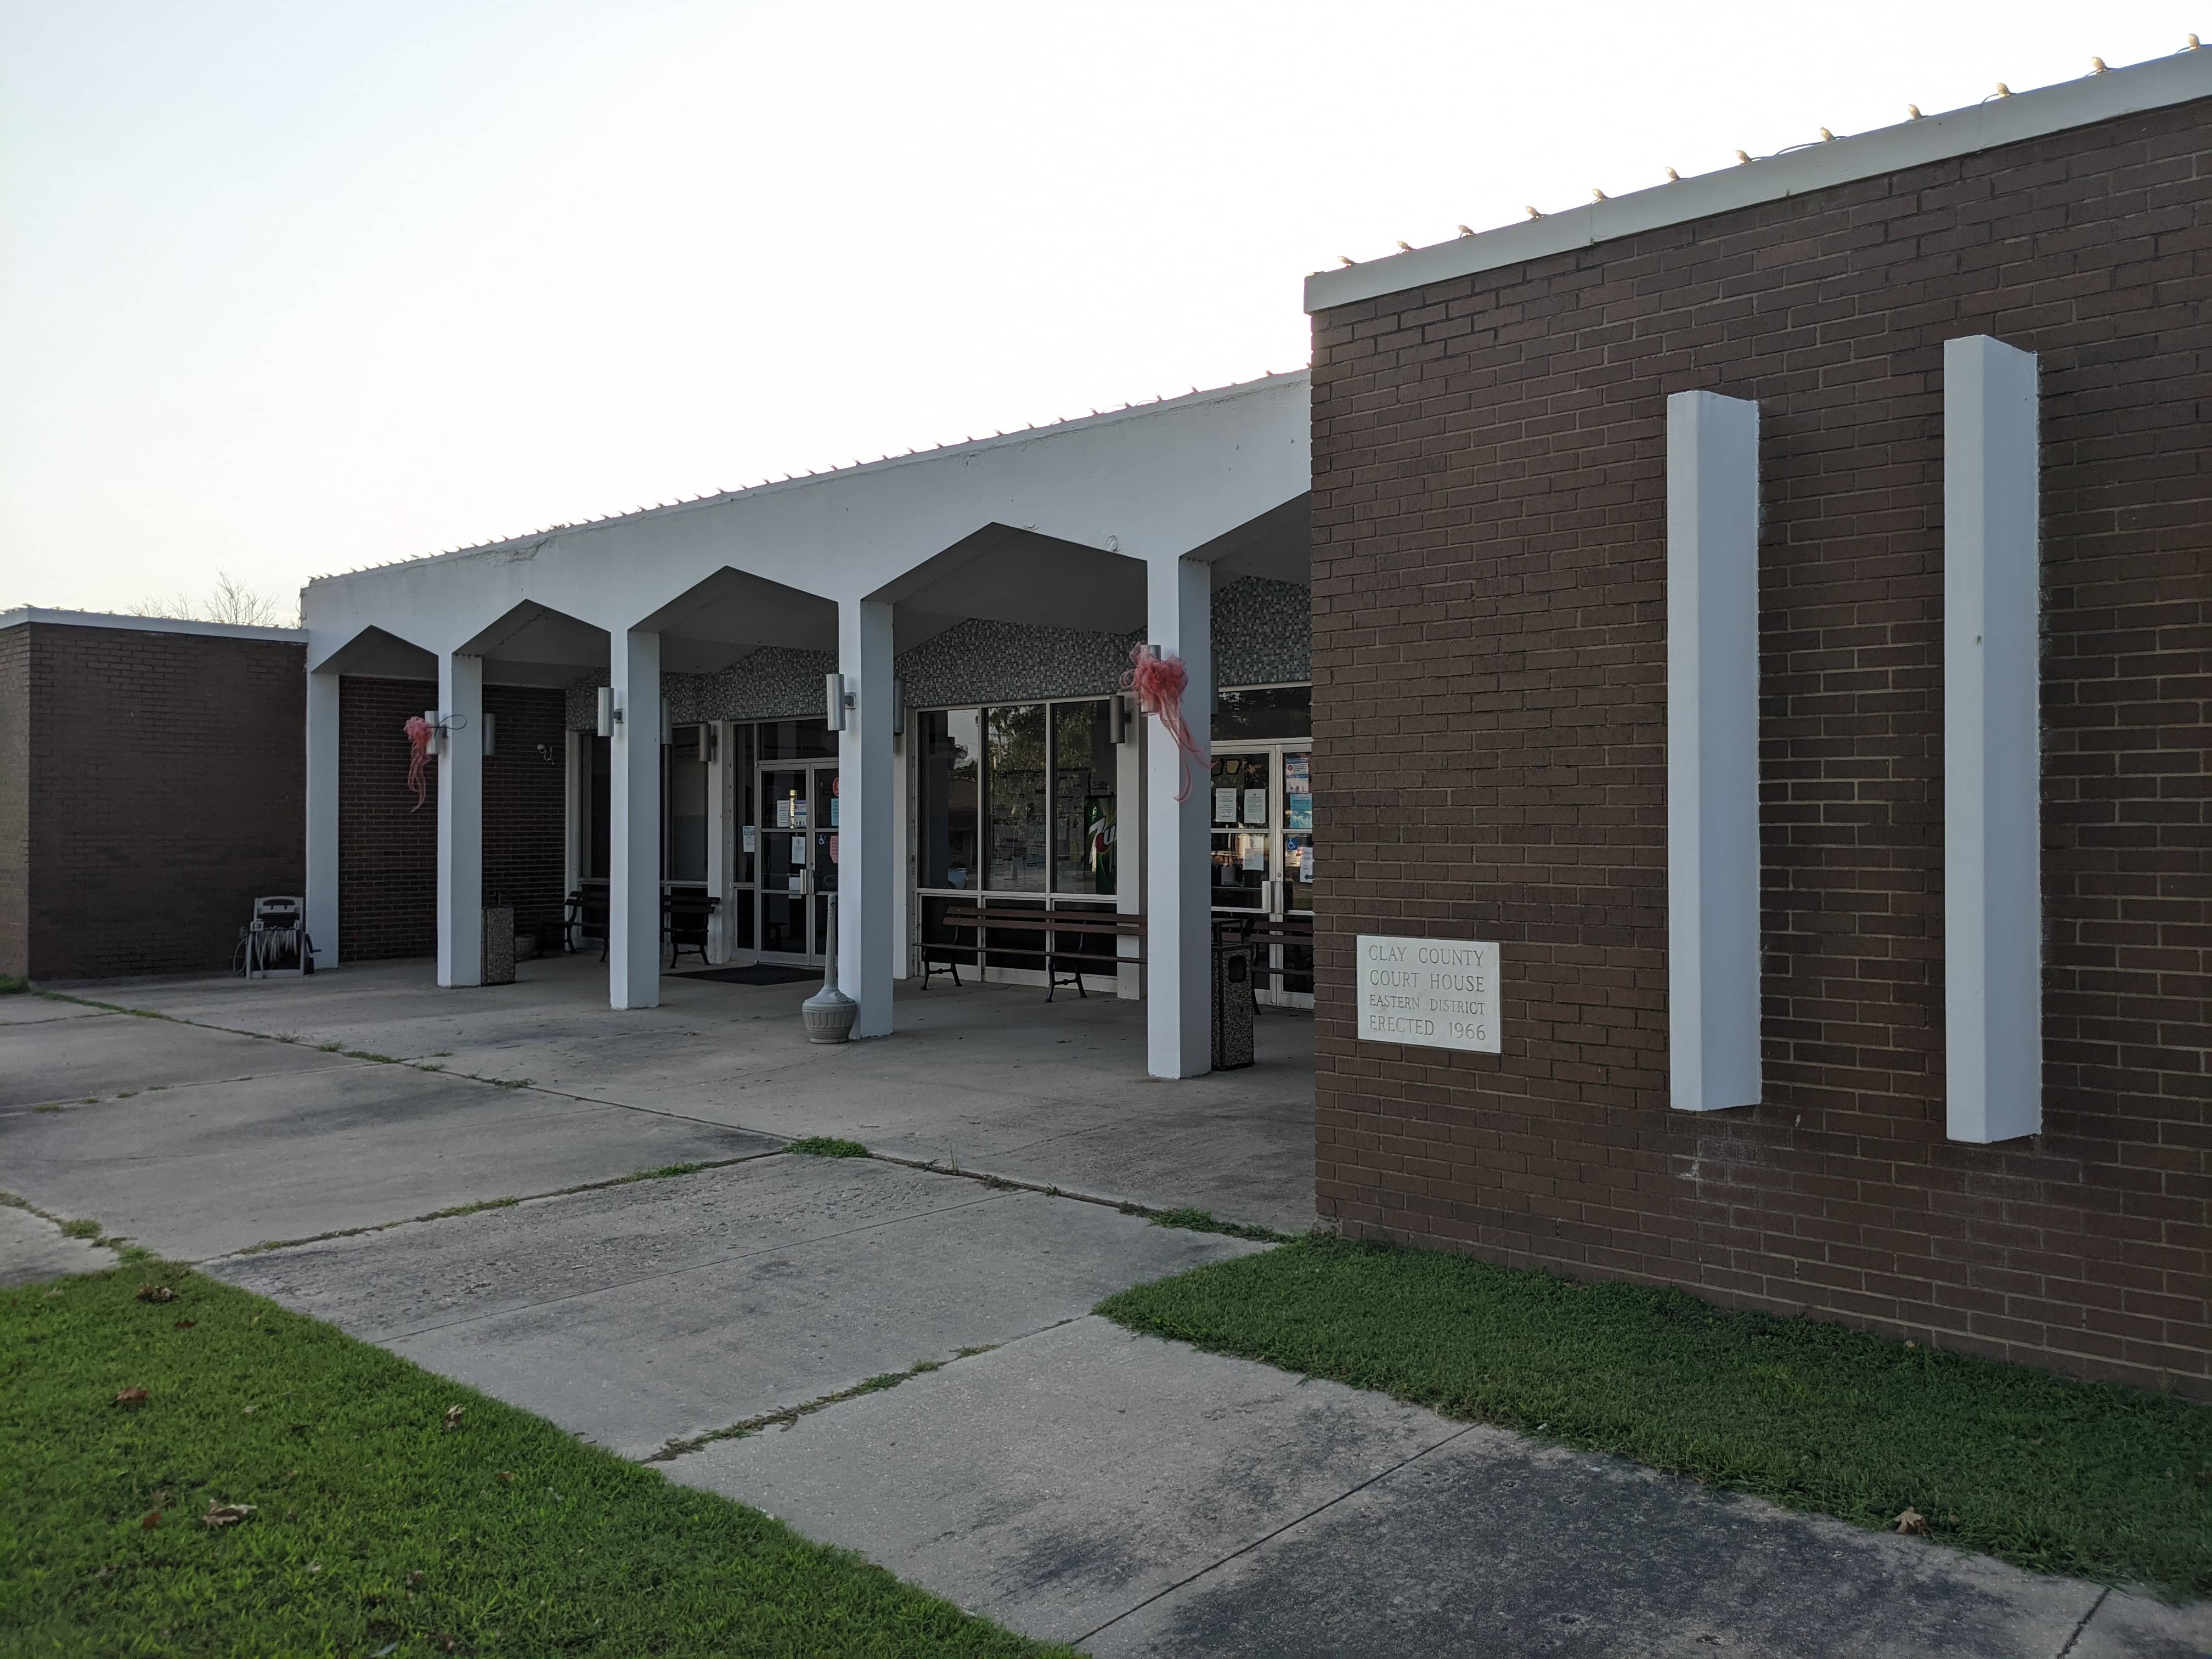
1712 751
1992 864
634 823
1129 851
460 821
322 864
718 840
1179 945
865 837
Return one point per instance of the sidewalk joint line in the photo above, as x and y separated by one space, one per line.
1350 1491
2074 1640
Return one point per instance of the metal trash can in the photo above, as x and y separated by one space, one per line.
1232 1007
499 945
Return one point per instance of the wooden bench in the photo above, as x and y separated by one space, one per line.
1021 919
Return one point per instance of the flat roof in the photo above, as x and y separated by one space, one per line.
2183 78
32 613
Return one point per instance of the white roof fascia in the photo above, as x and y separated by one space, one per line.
2180 79
32 613
944 455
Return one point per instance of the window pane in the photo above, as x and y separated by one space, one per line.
797 741
951 758
687 808
600 802
1013 796
1082 799
1272 711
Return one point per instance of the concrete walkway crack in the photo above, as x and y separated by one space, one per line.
1349 1492
2073 1641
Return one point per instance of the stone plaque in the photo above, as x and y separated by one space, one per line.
1432 993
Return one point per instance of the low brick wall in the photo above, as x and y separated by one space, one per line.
152 786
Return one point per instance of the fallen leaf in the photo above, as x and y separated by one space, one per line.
249 1411
314 1567
505 1477
452 1416
447 1641
387 1648
132 1396
225 1515
153 1520
414 1579
156 1293
1913 1522
187 1324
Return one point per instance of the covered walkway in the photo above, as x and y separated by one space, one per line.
1066 545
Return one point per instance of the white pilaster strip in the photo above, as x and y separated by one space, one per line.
1992 864
634 823
866 834
1179 945
322 864
1712 751
460 821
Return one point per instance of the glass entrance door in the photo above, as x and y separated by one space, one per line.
797 859
1263 852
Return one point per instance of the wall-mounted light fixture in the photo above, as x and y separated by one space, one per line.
491 732
836 701
609 713
667 730
1118 719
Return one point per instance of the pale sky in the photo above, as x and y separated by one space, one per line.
293 289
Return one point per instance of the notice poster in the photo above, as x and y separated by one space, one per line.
799 815
1297 791
1225 806
1430 993
1305 863
1255 807
1255 854
783 814
752 838
799 884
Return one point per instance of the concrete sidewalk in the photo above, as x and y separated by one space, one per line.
1032 1461
987 1077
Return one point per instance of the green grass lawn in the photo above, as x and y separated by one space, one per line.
2070 1477
375 1528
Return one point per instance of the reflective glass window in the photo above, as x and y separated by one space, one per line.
1266 711
951 768
1018 834
1082 799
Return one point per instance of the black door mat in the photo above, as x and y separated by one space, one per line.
753 973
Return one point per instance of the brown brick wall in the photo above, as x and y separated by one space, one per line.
388 850
164 784
526 803
1488 631
15 801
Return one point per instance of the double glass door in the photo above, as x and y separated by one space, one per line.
1263 851
797 859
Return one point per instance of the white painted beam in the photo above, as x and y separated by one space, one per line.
1178 1008
460 820
1712 751
322 864
634 823
1992 866
867 831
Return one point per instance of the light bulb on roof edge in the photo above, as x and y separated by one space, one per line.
1913 111
1673 177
